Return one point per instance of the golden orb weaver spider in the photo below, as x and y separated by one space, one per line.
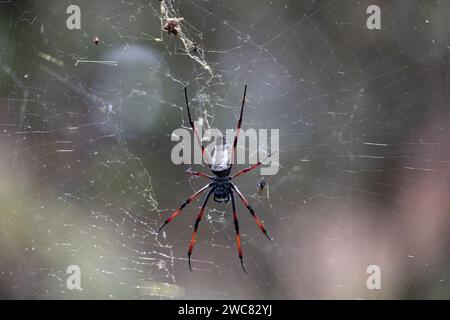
221 185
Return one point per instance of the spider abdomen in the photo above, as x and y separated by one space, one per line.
222 190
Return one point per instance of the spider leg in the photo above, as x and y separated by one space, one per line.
197 222
252 211
195 129
238 126
185 203
199 174
256 165
236 228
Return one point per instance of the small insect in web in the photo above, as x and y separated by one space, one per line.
221 185
172 26
261 186
263 190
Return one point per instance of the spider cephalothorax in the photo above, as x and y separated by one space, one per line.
222 189
221 185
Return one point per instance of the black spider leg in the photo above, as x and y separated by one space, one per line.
236 228
233 152
197 222
252 211
185 203
199 141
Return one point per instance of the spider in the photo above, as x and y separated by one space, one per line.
172 26
221 185
261 186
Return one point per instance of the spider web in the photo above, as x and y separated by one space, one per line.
85 146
